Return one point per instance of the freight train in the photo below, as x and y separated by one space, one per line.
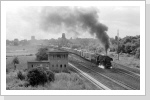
98 59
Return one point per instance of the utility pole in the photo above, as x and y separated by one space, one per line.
118 42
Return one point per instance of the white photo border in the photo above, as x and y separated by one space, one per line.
72 3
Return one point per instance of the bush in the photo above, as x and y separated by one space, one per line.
39 76
73 81
50 76
15 61
20 75
36 76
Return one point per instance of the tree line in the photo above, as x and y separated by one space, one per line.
129 45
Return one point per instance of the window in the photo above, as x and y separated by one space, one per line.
60 66
58 56
32 66
65 65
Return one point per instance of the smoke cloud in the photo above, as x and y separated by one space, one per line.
74 19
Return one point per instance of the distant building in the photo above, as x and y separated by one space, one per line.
16 42
57 61
33 40
63 40
63 36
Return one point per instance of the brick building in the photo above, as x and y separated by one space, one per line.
57 61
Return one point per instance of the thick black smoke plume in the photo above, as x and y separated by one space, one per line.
75 18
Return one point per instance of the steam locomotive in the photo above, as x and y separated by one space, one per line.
102 60
98 59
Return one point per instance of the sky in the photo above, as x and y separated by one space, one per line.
45 22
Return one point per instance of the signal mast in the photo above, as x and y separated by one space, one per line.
118 42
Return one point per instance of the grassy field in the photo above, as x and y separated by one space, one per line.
21 50
126 60
22 62
24 54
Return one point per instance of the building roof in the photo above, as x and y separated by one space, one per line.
34 61
56 51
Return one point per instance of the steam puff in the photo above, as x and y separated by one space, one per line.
74 18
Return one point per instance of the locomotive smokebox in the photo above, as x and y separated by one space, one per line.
104 61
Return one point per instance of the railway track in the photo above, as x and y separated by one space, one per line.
120 73
91 79
124 77
109 82
126 73
130 81
132 71
116 68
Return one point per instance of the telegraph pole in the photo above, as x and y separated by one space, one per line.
118 42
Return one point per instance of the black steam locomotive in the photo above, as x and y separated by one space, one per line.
102 60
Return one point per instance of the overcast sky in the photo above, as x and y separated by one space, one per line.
24 22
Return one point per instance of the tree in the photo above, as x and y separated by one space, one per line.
119 49
8 42
137 55
42 54
128 48
92 48
128 44
76 46
15 61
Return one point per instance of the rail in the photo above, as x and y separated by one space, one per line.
94 81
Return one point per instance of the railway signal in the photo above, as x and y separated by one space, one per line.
118 42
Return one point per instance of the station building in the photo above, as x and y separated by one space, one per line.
57 61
